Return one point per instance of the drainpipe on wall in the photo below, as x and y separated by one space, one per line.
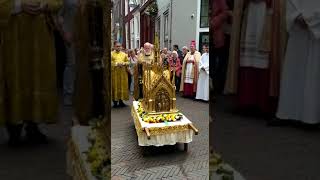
170 41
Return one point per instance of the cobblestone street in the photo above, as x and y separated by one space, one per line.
168 162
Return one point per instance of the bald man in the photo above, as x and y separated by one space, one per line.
146 55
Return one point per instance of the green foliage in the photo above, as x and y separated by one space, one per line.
152 9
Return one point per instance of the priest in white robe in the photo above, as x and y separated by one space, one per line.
203 81
300 86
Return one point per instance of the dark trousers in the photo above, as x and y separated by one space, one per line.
98 107
129 80
60 58
177 81
220 66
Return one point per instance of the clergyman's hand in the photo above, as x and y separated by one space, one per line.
68 37
300 20
31 8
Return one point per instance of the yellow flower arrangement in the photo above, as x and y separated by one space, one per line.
158 118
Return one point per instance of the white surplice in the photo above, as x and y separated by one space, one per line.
189 69
300 85
203 81
250 56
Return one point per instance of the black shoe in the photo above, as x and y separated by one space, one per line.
276 122
121 104
115 104
34 135
14 132
310 127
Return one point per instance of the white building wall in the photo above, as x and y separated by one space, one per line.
163 6
183 27
184 20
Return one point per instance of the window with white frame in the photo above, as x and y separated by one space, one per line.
204 14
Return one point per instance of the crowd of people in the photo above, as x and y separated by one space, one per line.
265 54
188 67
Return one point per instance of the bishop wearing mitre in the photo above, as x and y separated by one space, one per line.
189 77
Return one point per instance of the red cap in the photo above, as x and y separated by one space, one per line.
193 43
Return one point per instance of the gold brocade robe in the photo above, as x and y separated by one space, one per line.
28 64
153 74
119 76
137 73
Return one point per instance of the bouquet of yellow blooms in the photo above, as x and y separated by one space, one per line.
171 117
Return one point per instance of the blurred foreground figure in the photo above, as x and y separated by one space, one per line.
66 17
220 44
300 87
29 92
256 52
87 32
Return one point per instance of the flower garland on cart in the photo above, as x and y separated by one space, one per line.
97 155
159 117
218 167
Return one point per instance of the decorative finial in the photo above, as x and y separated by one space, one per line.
156 48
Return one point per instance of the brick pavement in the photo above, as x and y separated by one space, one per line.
168 162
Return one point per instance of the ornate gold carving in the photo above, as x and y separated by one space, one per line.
162 101
158 90
156 130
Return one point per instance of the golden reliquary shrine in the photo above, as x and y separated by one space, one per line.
157 120
158 89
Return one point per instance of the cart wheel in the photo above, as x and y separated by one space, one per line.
185 147
145 151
